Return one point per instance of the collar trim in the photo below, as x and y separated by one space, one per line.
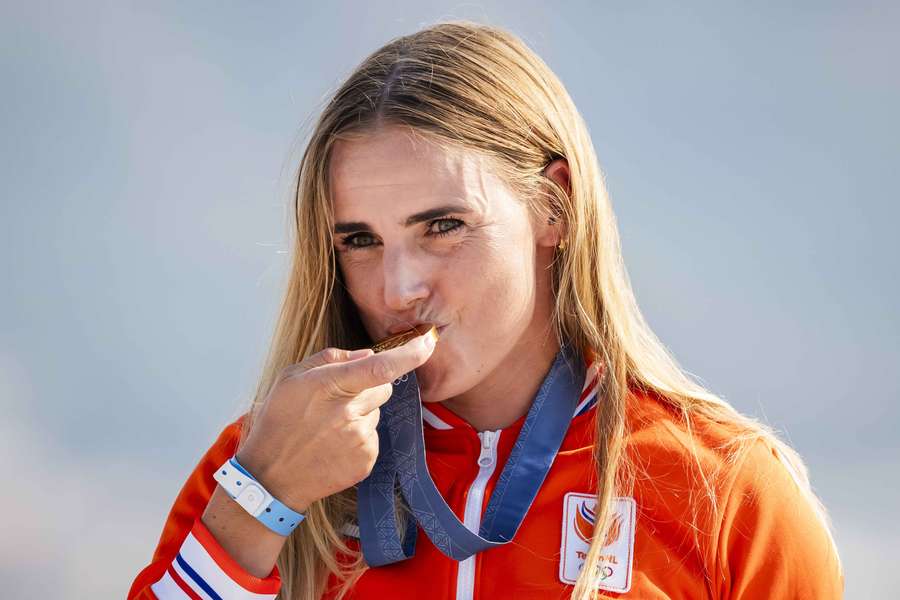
437 416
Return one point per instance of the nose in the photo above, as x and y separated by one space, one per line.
405 279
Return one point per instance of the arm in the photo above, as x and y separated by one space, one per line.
772 543
189 556
330 402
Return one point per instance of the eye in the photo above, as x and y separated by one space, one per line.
350 242
445 226
442 231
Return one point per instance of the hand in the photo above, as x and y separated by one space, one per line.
315 434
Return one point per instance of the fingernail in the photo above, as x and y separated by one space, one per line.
358 353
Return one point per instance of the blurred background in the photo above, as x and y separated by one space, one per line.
146 156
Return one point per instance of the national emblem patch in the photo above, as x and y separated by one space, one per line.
579 516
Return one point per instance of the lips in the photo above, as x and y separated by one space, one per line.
401 327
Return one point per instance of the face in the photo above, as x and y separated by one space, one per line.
425 233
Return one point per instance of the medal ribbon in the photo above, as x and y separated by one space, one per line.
401 463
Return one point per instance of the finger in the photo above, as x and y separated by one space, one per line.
350 378
371 420
370 400
330 356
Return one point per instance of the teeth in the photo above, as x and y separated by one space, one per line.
404 336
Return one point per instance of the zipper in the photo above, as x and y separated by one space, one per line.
487 464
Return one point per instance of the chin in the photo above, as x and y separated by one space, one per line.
429 396
429 388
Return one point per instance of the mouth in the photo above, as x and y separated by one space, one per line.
421 326
404 336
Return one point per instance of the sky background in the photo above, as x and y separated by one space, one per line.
751 154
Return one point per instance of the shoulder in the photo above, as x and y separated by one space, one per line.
759 528
773 533
726 450
685 451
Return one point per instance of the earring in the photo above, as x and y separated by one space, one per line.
562 245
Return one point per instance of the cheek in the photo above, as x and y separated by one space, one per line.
355 278
507 317
490 297
505 282
361 285
493 298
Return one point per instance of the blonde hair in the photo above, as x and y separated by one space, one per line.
482 89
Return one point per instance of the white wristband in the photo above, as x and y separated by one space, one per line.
250 494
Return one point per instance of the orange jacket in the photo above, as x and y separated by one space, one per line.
665 542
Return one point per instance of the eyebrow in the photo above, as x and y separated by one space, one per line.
425 215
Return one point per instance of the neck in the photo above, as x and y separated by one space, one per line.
508 391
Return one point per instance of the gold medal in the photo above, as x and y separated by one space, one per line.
404 336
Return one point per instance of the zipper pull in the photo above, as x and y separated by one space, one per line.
487 457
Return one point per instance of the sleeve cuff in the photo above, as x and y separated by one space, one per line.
203 569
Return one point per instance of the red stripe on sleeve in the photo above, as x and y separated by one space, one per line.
183 585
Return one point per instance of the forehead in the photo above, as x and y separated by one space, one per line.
395 167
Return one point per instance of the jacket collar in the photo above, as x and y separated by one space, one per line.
436 416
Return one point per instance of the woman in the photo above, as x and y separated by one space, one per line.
451 182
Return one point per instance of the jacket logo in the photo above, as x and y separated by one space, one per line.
584 521
585 518
617 553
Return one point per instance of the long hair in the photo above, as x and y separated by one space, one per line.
480 88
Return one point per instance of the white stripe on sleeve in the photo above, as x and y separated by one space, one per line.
196 556
167 589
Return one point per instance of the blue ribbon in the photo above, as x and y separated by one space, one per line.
401 464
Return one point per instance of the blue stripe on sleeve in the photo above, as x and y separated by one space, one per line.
197 579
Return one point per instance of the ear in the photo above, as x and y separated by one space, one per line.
552 231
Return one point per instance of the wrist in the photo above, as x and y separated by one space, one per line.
254 546
253 497
249 460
